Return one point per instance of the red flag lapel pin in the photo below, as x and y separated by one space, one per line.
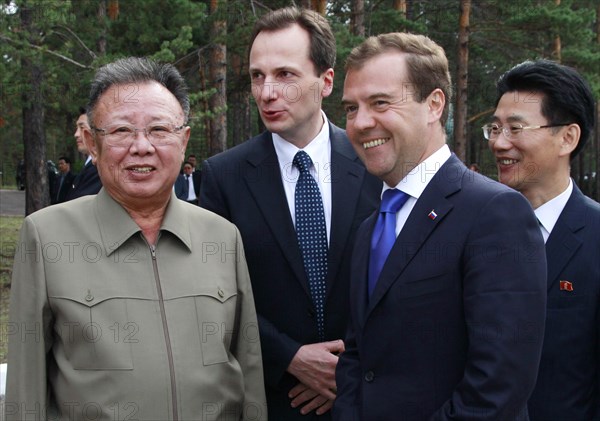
432 215
566 286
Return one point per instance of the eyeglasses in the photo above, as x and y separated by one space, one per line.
122 135
492 131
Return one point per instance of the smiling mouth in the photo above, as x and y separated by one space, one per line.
507 161
373 143
141 170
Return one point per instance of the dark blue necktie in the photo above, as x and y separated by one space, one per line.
312 234
384 234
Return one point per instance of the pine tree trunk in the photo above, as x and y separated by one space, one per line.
400 6
217 64
460 114
37 195
557 47
240 102
319 6
358 18
101 42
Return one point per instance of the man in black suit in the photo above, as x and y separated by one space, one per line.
185 185
87 181
261 186
63 181
544 116
196 174
447 291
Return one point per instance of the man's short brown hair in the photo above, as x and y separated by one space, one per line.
426 62
322 41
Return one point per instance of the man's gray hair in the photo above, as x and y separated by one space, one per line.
132 70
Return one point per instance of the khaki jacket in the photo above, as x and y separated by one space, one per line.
107 327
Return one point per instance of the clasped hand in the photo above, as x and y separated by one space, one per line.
314 366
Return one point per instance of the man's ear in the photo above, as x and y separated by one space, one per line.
436 102
327 83
186 137
570 139
90 144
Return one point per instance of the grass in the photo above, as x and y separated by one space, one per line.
9 235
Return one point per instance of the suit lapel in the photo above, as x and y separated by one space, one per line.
419 226
563 241
263 178
346 183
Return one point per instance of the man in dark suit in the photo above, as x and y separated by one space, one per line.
196 173
185 185
544 116
87 182
447 291
261 186
63 181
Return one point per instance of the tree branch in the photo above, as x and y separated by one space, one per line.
37 47
74 35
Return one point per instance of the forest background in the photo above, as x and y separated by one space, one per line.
49 50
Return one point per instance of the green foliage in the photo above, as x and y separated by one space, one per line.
68 37
169 50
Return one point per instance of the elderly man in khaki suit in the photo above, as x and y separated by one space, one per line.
132 304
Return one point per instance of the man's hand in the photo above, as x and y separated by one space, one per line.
302 393
314 366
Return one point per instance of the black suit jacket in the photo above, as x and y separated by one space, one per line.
197 177
244 185
86 182
58 193
454 327
568 385
181 187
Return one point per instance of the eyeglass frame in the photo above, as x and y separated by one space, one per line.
509 135
131 136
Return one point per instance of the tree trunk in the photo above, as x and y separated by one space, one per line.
319 6
37 195
358 18
240 100
460 114
101 42
556 48
217 64
400 6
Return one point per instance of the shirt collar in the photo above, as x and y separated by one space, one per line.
116 226
317 148
549 212
415 182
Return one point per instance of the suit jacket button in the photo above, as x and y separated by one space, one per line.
369 376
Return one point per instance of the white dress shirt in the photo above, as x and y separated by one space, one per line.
416 181
319 150
191 191
550 211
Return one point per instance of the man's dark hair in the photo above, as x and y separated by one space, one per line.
322 41
133 70
64 158
567 97
82 110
